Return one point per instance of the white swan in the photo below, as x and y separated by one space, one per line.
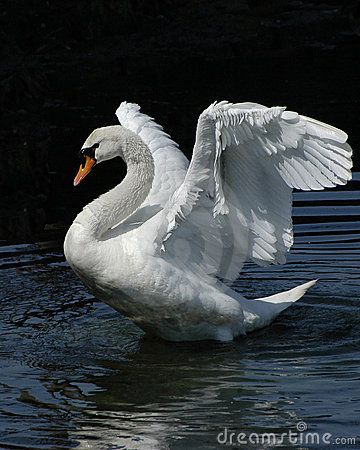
157 245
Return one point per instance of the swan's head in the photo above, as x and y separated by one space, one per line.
102 144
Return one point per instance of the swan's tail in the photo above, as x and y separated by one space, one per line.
261 311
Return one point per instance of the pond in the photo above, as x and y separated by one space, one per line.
75 373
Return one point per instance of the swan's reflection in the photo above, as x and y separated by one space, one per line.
166 394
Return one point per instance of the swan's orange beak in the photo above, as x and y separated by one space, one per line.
84 169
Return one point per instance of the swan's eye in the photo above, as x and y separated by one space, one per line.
88 151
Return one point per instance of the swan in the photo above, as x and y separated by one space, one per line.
164 245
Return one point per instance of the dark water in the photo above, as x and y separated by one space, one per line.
74 373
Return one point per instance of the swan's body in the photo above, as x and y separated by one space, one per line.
156 246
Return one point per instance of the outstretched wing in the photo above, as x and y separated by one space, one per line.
237 193
170 163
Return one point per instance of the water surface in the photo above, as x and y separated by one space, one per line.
74 373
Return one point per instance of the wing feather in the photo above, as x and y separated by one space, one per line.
247 159
170 163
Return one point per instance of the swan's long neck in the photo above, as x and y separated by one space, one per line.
120 202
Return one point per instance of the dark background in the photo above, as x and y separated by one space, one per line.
66 65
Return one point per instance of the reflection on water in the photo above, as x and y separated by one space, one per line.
74 373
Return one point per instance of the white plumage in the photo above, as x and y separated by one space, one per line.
156 246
